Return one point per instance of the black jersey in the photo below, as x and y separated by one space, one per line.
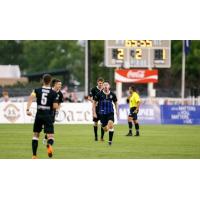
105 102
45 98
60 97
94 91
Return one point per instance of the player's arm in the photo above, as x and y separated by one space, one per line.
128 99
30 100
116 108
90 96
116 105
56 101
55 105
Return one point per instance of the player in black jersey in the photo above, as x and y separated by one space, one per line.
56 85
105 100
94 91
47 102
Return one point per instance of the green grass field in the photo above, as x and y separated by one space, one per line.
77 142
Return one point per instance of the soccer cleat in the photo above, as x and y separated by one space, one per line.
137 133
129 134
110 143
49 150
34 157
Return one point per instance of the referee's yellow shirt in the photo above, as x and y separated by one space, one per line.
134 99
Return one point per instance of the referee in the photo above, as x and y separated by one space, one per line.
134 103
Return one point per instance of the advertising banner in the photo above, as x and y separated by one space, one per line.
148 114
70 113
180 114
136 76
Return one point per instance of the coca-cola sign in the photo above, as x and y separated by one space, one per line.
136 76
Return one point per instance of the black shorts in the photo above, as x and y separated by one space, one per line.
105 118
132 113
45 121
96 119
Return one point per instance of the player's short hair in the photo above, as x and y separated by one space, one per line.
100 79
54 81
46 78
133 88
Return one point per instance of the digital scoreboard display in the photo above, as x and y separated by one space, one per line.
138 53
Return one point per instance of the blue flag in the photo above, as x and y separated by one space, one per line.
187 44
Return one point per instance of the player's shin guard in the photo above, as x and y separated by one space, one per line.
102 133
130 125
95 132
34 145
111 132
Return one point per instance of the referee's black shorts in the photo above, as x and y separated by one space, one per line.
105 118
45 121
133 114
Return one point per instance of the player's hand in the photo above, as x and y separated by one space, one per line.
117 113
136 111
29 113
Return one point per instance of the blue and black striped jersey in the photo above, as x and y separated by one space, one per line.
105 102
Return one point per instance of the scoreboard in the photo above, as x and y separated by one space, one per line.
138 53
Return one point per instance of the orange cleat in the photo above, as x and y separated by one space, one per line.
49 150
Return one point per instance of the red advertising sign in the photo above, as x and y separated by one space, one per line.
136 76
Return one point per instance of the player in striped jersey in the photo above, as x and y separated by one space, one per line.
105 100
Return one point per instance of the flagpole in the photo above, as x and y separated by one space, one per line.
183 72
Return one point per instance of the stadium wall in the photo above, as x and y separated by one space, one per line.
81 113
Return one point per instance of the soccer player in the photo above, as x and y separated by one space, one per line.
134 104
56 85
94 91
105 100
47 102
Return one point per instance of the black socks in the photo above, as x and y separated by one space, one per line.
34 146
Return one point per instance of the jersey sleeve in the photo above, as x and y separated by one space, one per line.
91 92
137 98
55 97
96 97
114 98
61 100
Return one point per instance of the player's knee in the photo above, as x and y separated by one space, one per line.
130 119
50 136
36 135
105 128
110 125
95 123
135 121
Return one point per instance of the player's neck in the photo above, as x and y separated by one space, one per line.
57 90
106 92
46 86
99 88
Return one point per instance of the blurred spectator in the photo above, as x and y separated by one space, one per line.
5 96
